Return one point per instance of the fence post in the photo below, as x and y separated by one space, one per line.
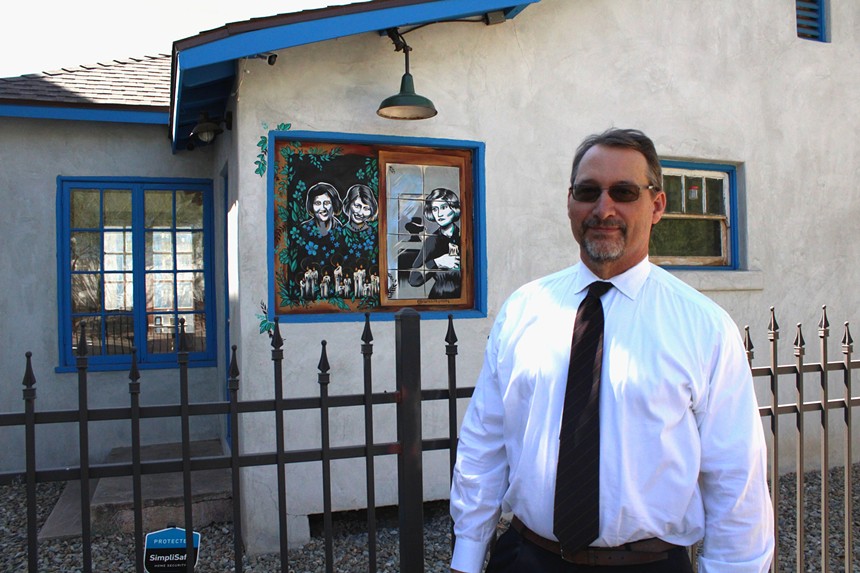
277 363
137 489
233 387
84 443
410 486
30 447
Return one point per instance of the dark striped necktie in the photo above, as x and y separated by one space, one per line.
577 490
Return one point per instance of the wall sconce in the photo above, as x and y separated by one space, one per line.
406 104
207 130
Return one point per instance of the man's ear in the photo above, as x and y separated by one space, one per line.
659 203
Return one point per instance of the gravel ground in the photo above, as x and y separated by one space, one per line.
116 552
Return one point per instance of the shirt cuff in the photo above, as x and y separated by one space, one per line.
468 555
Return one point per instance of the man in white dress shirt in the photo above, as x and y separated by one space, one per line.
682 450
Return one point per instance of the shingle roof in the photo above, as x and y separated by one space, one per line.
135 82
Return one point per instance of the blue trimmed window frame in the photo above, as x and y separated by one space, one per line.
732 247
135 317
479 246
812 20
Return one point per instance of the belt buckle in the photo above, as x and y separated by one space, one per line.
563 554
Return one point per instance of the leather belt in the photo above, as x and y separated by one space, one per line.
635 553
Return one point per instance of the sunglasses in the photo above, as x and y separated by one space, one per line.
620 192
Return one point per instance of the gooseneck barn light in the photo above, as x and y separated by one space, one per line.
406 104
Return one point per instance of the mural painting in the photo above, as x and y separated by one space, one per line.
361 228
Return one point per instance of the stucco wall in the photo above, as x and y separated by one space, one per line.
32 154
726 82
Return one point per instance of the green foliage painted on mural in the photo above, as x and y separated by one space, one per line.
369 174
266 325
262 161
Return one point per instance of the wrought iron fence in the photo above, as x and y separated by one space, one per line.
409 445
410 442
822 376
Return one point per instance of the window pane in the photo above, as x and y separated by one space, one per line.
716 202
92 332
189 250
117 211
189 291
159 251
119 334
693 195
159 291
85 207
86 293
674 199
118 251
184 250
160 333
86 250
119 291
189 209
687 237
158 209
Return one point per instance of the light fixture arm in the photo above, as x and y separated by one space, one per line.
400 44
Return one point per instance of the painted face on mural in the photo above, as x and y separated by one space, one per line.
612 236
442 213
322 208
359 212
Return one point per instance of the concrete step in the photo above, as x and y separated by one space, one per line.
112 504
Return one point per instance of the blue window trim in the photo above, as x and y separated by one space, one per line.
734 247
479 246
812 20
137 184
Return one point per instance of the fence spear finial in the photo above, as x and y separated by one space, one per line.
799 343
183 342
29 377
277 341
323 377
451 336
134 373
823 324
773 327
847 341
366 335
234 365
82 340
748 343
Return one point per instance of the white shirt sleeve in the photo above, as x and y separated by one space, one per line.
739 536
481 474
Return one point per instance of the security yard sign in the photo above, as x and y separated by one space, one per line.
165 551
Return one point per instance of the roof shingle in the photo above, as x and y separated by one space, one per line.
138 82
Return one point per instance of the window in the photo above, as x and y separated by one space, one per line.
811 20
698 227
368 223
135 264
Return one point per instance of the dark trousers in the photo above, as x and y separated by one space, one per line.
513 554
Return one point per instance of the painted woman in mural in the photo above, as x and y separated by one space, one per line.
439 258
318 238
359 251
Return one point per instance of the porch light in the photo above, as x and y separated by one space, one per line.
406 104
207 130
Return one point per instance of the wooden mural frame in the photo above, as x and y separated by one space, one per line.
366 226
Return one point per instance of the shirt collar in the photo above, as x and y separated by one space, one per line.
629 283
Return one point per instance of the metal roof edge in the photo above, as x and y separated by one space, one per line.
243 39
